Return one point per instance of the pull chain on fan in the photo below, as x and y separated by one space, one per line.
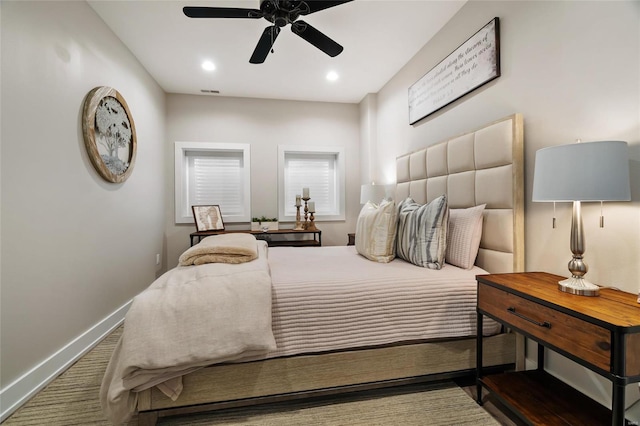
280 13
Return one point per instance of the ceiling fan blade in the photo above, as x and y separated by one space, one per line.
264 45
221 12
315 37
316 5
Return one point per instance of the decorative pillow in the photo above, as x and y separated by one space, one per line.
376 231
463 237
422 232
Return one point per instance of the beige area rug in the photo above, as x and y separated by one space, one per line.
72 399
424 406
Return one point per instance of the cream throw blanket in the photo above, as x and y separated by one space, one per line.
189 318
224 248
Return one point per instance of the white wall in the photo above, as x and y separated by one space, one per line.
573 70
74 247
264 124
368 135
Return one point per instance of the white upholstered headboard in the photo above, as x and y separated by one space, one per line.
485 166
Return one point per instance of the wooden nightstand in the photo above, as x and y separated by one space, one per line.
601 333
352 239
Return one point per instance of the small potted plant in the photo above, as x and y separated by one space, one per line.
264 224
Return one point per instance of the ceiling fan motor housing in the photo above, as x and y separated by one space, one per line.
281 12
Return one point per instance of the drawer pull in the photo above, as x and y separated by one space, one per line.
545 324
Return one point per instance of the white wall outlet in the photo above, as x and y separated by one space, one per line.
157 258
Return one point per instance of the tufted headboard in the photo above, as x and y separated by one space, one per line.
485 166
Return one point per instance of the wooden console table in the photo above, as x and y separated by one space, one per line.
315 241
600 333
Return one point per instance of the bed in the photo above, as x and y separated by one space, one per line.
482 167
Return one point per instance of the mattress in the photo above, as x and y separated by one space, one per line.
331 298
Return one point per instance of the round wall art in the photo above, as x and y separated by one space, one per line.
109 133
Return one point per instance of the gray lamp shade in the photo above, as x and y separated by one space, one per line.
587 171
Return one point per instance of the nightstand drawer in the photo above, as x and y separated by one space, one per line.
582 339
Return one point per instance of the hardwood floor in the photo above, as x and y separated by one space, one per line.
491 405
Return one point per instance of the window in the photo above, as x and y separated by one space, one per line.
319 169
213 173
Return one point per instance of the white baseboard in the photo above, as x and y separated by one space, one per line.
25 387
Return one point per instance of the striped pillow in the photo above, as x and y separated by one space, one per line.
422 232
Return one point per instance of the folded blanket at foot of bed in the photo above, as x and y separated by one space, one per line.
224 248
189 318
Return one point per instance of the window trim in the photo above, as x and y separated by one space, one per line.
183 213
339 152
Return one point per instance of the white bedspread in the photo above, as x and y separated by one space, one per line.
189 318
330 298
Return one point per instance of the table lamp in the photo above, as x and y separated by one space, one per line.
581 172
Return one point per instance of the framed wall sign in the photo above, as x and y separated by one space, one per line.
208 218
109 133
474 63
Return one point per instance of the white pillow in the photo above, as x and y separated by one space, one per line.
463 236
376 231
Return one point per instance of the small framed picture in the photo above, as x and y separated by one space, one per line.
208 218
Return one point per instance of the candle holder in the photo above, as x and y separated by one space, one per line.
299 224
311 226
306 212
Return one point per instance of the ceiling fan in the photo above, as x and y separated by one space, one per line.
280 13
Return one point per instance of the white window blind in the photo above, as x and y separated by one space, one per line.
321 169
213 174
217 178
316 172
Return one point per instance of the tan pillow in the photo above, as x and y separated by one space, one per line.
463 236
376 231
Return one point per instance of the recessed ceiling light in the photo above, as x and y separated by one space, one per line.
332 76
208 66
